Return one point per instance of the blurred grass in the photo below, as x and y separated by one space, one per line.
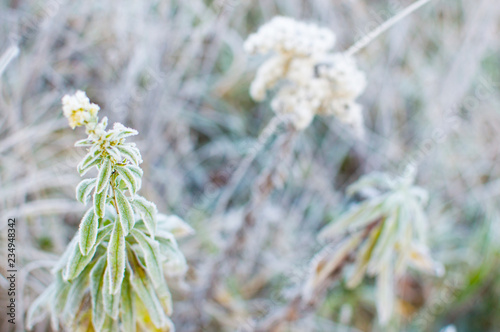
176 71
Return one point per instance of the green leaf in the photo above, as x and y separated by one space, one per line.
39 308
116 259
113 152
59 301
363 258
150 248
88 231
355 218
100 202
148 212
175 225
165 297
110 325
104 175
146 292
125 212
77 262
127 307
76 293
91 159
63 261
131 153
84 189
96 290
124 132
136 170
111 301
175 262
129 178
84 142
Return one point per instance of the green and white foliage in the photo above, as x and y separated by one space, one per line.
112 275
383 235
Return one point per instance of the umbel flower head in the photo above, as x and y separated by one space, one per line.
309 79
112 275
388 232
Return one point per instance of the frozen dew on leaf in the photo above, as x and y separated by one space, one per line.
397 239
101 279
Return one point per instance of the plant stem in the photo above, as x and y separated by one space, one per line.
259 195
384 27
299 306
240 172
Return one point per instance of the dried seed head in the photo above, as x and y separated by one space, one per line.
314 81
285 35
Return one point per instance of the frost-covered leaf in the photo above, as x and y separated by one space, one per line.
82 322
150 249
129 178
100 202
76 293
148 212
165 297
63 261
131 153
96 292
385 244
127 307
111 301
116 258
136 170
84 142
110 325
175 225
113 152
59 301
88 231
385 294
123 131
125 212
353 220
104 175
39 309
327 261
175 262
77 262
363 258
146 292
84 189
90 160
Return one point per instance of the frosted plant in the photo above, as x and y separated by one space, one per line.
390 230
112 275
315 81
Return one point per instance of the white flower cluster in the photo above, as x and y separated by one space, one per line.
315 81
78 109
287 36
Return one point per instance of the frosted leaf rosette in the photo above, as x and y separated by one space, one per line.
385 233
112 275
309 78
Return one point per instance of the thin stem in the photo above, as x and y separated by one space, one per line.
260 193
240 172
299 306
363 42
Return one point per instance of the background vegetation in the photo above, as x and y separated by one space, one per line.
176 71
